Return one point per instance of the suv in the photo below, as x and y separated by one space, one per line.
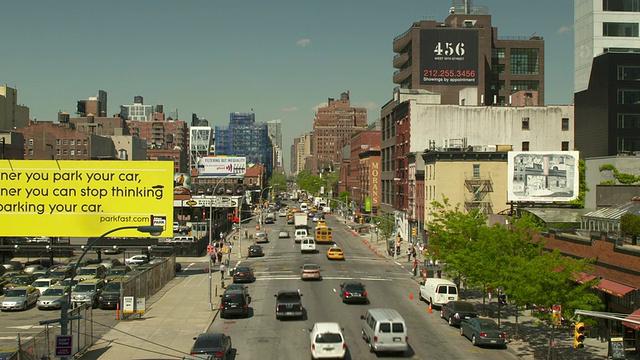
109 297
95 271
20 280
234 302
61 273
289 304
87 292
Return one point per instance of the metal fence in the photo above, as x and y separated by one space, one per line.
143 284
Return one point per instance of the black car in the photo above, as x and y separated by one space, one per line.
243 274
457 311
269 220
109 298
353 292
255 250
234 302
238 287
217 344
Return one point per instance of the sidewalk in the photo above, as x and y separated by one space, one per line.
532 342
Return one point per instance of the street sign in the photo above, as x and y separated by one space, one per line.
127 307
64 345
191 203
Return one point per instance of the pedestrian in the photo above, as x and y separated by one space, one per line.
415 267
246 233
413 253
489 292
221 236
408 255
439 272
219 254
221 271
213 258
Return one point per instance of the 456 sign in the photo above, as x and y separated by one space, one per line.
449 49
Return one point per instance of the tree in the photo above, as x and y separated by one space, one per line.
278 182
385 223
630 226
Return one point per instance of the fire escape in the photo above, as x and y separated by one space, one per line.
478 193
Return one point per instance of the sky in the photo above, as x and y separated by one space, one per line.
280 59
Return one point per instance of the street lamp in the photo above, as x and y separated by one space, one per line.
64 308
211 237
261 202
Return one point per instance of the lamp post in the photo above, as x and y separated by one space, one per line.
211 238
66 302
262 203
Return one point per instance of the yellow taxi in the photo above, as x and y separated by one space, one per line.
335 253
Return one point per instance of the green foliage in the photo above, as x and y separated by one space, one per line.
607 182
385 222
332 178
630 224
623 178
582 184
345 197
278 182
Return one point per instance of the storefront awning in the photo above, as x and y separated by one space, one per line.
583 277
633 316
613 288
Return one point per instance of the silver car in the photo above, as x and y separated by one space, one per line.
52 297
20 298
87 292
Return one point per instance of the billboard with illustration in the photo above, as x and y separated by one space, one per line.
221 166
543 176
84 198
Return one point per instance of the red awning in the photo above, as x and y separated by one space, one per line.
583 277
633 316
613 288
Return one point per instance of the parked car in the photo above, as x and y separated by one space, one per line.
94 271
327 341
113 250
137 260
457 311
483 331
109 263
87 292
118 271
284 234
20 280
43 284
20 298
13 265
255 250
52 297
353 292
243 274
261 237
310 271
7 278
109 297
61 273
30 269
217 344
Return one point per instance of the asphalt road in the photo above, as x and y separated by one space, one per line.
388 284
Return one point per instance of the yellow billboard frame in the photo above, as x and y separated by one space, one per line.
84 198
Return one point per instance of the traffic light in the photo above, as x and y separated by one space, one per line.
578 336
361 220
414 231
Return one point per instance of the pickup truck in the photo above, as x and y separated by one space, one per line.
289 304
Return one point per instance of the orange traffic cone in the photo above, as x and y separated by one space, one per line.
117 311
410 296
430 309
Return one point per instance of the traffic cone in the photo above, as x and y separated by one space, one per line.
118 311
410 296
430 309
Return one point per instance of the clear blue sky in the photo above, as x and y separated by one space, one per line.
280 58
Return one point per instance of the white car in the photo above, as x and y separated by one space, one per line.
43 284
327 341
137 260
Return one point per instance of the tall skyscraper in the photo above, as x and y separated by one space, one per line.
245 137
332 129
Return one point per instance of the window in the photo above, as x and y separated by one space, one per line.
565 146
71 142
58 152
64 141
628 145
620 29
525 146
72 152
525 61
64 151
57 141
30 142
621 5
31 152
497 53
628 97
565 124
525 123
628 121
519 85
476 171
631 73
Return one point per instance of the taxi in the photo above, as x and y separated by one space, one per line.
335 253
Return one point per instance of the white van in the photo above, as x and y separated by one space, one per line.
299 234
438 292
307 245
385 331
304 207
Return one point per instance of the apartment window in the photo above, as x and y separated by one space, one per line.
30 142
57 141
72 152
525 123
525 146
565 146
628 121
476 171
30 152
565 124
628 145
519 85
525 61
621 5
631 73
628 97
57 152
499 69
64 141
64 152
620 29
497 53
71 142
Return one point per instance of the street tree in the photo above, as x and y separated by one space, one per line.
278 182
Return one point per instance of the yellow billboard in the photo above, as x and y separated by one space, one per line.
84 198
